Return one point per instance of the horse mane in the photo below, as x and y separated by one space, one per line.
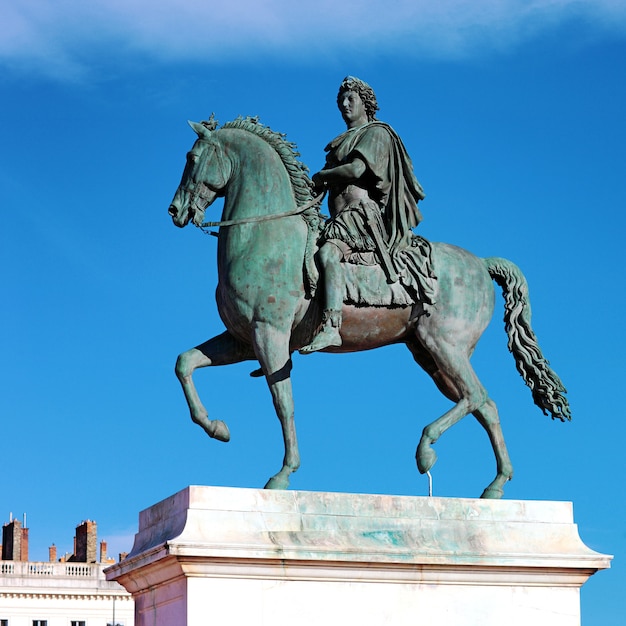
287 151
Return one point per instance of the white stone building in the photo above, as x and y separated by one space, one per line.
70 592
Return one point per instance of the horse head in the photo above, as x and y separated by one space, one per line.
204 177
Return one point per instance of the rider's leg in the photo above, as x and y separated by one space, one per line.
330 257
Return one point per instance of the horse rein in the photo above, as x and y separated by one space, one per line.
262 218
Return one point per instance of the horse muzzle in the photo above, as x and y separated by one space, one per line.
179 217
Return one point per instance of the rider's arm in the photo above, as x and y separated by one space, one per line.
342 173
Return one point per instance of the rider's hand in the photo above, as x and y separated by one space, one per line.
319 184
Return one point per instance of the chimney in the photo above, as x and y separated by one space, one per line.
52 553
86 541
103 551
12 540
24 546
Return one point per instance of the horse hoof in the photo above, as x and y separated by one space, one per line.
219 431
426 457
492 493
277 482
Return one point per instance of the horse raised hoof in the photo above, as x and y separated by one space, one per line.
218 430
425 456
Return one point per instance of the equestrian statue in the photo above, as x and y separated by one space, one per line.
289 280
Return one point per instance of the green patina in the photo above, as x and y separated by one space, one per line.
386 537
266 292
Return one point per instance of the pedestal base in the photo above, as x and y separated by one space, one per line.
214 555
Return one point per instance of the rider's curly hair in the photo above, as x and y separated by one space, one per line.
366 93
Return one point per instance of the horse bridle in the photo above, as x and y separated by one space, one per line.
196 188
202 191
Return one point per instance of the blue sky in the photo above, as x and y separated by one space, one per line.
513 113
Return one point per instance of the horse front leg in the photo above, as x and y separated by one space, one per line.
221 350
272 350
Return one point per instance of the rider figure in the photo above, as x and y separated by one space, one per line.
373 196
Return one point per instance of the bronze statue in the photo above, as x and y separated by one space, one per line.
373 196
438 307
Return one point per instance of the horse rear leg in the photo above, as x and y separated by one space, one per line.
272 350
487 415
456 378
221 350
448 365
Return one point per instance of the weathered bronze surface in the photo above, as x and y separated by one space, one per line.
373 203
382 284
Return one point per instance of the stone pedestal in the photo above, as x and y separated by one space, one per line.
214 555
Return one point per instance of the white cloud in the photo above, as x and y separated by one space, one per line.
68 37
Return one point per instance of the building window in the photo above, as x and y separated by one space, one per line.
78 622
40 622
4 622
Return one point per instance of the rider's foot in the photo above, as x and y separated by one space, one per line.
328 337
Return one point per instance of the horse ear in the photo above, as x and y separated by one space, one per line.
200 129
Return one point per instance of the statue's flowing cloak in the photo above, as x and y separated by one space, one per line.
389 178
392 185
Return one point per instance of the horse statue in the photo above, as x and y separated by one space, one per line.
267 301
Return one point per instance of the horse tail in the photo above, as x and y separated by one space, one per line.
547 389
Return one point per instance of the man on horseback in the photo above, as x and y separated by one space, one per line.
373 196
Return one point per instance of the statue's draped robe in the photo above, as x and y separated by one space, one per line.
389 178
393 188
